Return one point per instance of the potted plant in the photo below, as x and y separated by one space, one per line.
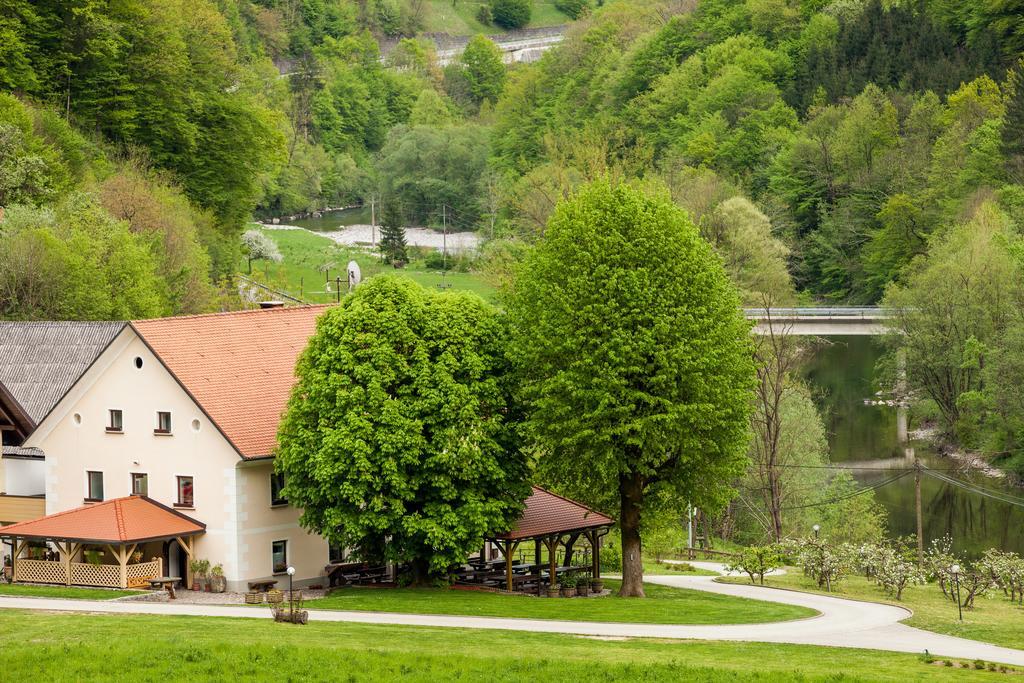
195 566
553 590
217 579
204 574
596 586
93 557
137 557
583 586
8 568
569 585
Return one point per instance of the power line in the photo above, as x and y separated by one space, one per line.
858 492
1007 498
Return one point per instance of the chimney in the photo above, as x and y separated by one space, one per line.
271 304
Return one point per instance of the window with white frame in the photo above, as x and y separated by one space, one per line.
94 486
115 420
163 422
140 484
279 556
276 485
186 497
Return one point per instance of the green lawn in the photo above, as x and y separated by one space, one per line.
664 605
993 620
304 252
19 590
458 17
44 646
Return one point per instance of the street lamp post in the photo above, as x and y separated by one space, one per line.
291 593
816 528
955 569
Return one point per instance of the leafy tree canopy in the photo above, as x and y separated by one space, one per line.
399 439
641 390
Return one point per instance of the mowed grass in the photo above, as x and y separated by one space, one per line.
47 646
305 253
993 620
458 18
23 591
663 605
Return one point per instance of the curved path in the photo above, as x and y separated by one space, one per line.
841 622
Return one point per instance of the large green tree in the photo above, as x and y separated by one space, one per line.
635 360
399 437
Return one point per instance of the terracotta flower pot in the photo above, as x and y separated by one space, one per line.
568 592
553 591
597 585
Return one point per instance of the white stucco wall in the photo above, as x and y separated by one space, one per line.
22 477
227 496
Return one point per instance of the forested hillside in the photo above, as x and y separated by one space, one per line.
176 121
844 151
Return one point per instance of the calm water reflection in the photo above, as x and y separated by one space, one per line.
332 220
840 374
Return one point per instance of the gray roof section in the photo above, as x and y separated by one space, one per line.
29 452
41 361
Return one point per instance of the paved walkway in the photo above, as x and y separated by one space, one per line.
841 623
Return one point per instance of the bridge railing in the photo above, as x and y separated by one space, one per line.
820 313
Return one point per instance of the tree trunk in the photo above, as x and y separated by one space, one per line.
631 497
567 560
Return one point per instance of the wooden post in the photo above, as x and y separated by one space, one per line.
552 559
69 552
122 563
15 549
186 545
917 510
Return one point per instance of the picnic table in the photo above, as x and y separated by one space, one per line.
166 582
261 586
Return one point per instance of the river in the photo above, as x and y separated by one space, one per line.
840 375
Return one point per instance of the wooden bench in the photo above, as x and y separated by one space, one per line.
165 582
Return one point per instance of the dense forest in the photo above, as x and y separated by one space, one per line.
844 151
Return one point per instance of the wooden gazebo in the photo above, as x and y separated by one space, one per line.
118 526
552 520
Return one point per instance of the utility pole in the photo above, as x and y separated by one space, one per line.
444 238
917 510
373 220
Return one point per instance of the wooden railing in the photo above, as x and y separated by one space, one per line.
85 574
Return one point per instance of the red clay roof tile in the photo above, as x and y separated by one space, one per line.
548 513
131 519
239 366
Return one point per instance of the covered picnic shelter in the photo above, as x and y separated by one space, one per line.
119 528
551 520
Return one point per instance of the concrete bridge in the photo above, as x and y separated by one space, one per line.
820 321
524 45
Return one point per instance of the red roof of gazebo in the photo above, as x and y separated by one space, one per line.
548 513
132 519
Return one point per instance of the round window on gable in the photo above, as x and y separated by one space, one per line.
77 419
138 362
195 425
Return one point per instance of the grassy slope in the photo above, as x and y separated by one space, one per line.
994 619
458 17
40 646
304 252
663 605
18 590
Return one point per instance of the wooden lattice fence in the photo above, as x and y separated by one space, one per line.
105 575
40 571
140 574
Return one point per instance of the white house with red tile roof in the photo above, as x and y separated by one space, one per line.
185 411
